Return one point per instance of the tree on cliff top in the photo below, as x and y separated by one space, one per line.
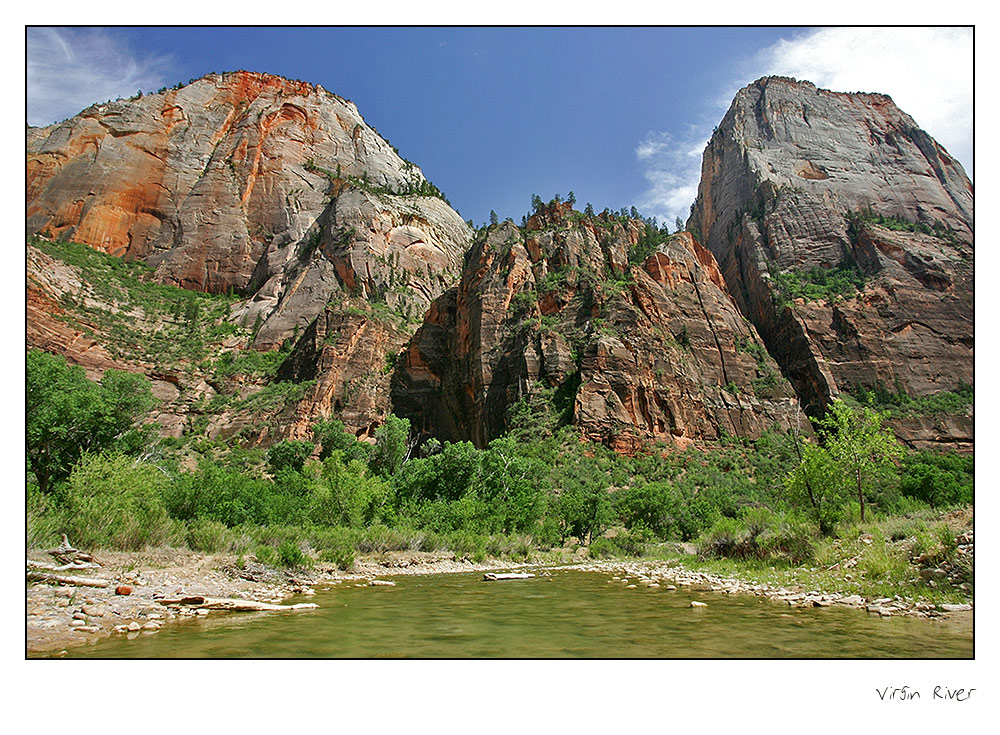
67 415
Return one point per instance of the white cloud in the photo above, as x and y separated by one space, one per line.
70 69
672 170
927 72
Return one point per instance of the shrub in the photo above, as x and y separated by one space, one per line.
339 552
468 545
602 548
266 555
206 535
940 480
223 494
759 534
114 501
290 555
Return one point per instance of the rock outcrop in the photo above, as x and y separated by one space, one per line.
798 179
245 183
629 352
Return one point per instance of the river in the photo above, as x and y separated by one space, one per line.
570 614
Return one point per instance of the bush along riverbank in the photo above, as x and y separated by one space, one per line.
847 511
919 564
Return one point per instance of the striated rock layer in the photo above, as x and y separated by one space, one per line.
273 189
630 352
783 170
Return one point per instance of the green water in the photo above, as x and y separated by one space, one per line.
568 614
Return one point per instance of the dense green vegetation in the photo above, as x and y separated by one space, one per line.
818 284
135 318
899 404
855 220
778 500
68 415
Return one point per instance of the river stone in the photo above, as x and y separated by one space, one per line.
695 603
960 607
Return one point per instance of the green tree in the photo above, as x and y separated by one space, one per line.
288 454
510 486
346 495
584 506
816 483
333 436
860 446
66 415
493 217
391 446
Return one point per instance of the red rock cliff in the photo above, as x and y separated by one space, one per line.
653 350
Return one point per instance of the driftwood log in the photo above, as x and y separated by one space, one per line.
34 576
225 603
64 567
494 576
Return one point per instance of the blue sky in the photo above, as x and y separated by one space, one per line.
493 115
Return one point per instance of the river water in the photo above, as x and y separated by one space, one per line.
570 614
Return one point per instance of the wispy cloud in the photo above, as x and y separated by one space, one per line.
70 69
672 167
926 71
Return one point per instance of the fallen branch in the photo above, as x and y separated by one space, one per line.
64 567
62 579
493 576
224 603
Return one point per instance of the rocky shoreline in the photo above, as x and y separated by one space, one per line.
62 617
672 576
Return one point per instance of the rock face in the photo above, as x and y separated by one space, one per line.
272 189
248 182
350 353
779 177
653 349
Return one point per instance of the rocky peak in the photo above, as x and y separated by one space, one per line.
234 182
801 184
602 322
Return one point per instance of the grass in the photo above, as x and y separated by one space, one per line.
861 560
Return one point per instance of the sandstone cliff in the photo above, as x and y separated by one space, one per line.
274 190
798 184
631 352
